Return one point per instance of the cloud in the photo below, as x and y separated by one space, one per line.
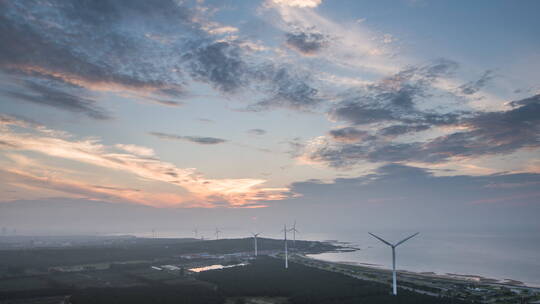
287 89
257 132
169 103
472 87
45 48
150 52
305 42
401 184
484 133
418 197
78 189
397 130
227 68
348 134
298 3
219 64
117 46
137 150
235 192
96 46
46 95
223 30
354 49
194 139
394 98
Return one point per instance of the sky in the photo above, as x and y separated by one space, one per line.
409 113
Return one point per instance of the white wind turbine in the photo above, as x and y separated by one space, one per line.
393 246
217 233
294 231
255 235
286 249
196 232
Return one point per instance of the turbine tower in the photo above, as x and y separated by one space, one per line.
393 246
196 232
255 235
286 249
217 233
294 231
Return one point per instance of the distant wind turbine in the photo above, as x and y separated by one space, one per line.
393 246
255 235
286 249
217 233
196 232
294 231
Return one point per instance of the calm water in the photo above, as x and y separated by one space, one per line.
495 256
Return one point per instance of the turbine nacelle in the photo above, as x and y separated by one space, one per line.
396 244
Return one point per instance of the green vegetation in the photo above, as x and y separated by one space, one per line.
94 279
14 262
23 284
302 284
191 294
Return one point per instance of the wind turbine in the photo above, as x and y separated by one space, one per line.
196 232
255 235
217 233
393 246
286 249
294 231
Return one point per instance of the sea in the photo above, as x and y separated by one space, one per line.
501 256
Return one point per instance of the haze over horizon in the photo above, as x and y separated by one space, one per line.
124 116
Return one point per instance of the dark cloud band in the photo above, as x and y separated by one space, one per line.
194 139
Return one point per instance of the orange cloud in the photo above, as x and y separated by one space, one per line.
135 160
75 79
79 189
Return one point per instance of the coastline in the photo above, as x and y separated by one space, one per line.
424 275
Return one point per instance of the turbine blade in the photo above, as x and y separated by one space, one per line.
380 239
407 238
